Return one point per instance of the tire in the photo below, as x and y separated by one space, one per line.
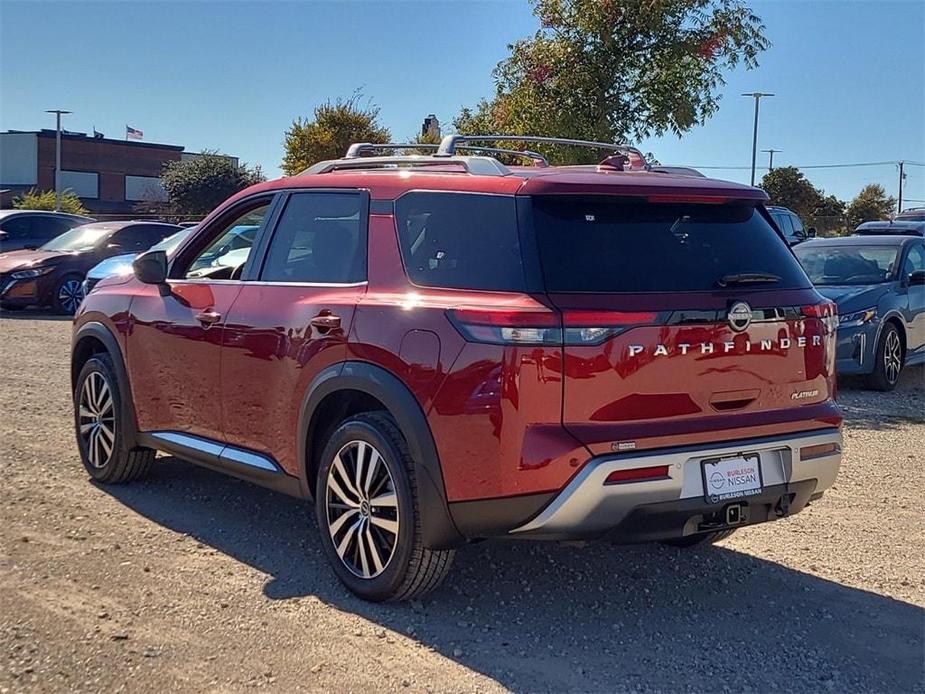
100 426
68 294
375 550
700 539
888 360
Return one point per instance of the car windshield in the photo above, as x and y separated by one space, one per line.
847 264
82 238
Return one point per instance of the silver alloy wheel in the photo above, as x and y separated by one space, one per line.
97 419
70 294
361 507
892 357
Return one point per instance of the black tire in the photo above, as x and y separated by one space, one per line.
68 294
888 360
700 538
99 406
411 570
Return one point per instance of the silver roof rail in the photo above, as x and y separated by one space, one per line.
450 143
358 149
484 166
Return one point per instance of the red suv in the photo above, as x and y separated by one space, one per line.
439 348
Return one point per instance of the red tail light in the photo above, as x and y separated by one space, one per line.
827 312
544 327
639 474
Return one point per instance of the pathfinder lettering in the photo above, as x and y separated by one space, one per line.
709 348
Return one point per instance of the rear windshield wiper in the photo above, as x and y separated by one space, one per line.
747 278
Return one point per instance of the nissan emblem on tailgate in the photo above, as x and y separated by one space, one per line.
740 315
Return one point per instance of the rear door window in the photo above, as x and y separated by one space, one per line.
460 240
590 244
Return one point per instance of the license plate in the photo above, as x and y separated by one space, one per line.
731 478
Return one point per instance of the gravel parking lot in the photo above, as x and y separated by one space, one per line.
195 581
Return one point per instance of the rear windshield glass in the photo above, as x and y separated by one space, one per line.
460 240
597 245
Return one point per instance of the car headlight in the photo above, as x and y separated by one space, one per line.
34 272
856 318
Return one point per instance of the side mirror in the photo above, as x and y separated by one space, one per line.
151 268
811 232
917 278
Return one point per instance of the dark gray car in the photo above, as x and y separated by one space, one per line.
21 229
878 283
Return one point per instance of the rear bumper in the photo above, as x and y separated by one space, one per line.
676 505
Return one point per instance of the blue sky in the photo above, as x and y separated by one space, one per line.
849 76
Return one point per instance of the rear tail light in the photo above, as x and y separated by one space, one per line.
827 312
639 474
544 327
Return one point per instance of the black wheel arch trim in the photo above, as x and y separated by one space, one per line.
437 526
100 332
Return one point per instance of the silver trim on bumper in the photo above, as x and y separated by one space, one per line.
588 505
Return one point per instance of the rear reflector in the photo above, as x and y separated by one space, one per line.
544 327
639 474
820 451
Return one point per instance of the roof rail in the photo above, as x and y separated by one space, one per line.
357 149
450 143
484 166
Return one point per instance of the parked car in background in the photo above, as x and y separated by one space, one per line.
122 264
32 228
53 274
790 224
879 286
906 227
441 349
912 214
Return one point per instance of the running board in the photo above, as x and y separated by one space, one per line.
238 462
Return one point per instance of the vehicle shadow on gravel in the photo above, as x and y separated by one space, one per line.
871 409
554 617
33 314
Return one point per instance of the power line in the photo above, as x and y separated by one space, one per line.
813 166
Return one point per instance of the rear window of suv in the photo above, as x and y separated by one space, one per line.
460 240
592 244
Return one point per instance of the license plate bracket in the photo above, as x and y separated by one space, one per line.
732 477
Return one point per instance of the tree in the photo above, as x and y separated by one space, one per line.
788 187
197 185
336 126
45 200
870 205
610 70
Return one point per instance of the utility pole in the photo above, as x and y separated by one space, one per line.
902 175
757 96
58 113
771 157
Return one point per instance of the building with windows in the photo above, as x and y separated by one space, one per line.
109 176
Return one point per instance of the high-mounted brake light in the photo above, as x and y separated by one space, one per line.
544 327
639 474
700 199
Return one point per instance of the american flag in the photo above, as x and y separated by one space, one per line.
132 134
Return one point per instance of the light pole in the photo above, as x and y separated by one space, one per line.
58 113
771 157
757 96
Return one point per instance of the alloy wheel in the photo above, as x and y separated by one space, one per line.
97 419
892 356
361 507
70 294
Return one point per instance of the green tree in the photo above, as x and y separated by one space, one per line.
616 69
871 204
788 187
829 217
197 185
337 125
45 200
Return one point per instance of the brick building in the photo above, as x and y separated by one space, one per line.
110 176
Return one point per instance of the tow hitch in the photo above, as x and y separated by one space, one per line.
736 514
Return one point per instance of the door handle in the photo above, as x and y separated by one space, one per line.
208 317
326 321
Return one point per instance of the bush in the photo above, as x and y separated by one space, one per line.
45 200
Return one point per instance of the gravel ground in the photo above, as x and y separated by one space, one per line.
198 582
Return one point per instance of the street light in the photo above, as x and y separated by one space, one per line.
757 96
771 153
59 113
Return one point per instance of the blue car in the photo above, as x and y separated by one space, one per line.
878 283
